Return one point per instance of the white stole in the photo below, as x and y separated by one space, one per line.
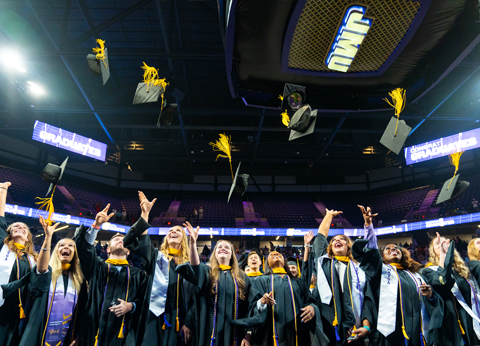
158 296
357 285
7 260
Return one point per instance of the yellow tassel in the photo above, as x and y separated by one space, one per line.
120 334
461 329
263 264
224 145
398 102
163 327
100 51
280 97
299 272
178 325
47 204
151 77
405 333
335 321
285 118
455 161
96 340
22 312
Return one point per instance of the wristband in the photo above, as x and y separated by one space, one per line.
96 227
308 245
367 328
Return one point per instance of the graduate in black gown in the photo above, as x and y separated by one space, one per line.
409 312
222 295
167 295
115 288
251 262
447 273
474 256
17 258
60 293
346 298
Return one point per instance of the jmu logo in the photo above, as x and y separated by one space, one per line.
350 35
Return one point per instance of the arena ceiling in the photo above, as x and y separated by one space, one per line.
184 40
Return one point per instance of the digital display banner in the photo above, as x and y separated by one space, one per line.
272 232
70 141
443 146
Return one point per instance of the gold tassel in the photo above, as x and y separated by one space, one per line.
178 325
151 77
461 329
455 161
263 264
280 97
120 334
335 321
96 340
47 204
405 333
285 118
22 312
299 272
224 145
163 327
100 51
398 103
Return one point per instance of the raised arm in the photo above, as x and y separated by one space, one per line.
369 232
146 206
3 196
307 238
46 250
327 221
194 259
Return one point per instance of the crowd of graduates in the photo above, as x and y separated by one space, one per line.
359 294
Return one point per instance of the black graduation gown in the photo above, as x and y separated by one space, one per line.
40 289
204 304
151 332
442 281
345 315
474 267
372 263
11 327
307 333
106 284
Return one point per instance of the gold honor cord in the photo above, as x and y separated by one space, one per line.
224 145
398 96
455 161
151 77
100 51
47 204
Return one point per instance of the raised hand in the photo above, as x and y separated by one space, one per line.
4 186
332 212
193 232
103 216
307 238
307 314
444 244
367 215
145 204
49 230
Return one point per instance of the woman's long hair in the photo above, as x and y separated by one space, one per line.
458 263
184 247
473 252
215 268
349 247
28 244
406 262
56 265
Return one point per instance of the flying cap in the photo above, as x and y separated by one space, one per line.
302 123
452 189
239 185
166 114
293 97
395 135
151 88
53 174
98 63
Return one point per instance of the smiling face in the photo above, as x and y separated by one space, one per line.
477 244
66 250
175 236
275 260
223 252
392 254
293 269
115 247
19 232
339 245
254 261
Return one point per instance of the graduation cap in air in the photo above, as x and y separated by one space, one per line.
397 130
98 63
302 123
151 88
166 114
293 97
51 174
239 185
292 261
453 188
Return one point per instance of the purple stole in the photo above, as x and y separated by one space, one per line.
61 308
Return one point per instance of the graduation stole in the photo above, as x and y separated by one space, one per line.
158 296
424 318
117 262
61 307
275 337
255 274
212 338
279 271
174 252
224 267
66 266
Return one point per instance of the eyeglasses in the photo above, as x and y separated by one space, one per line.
390 249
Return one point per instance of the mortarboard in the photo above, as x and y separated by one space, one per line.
151 88
292 261
302 123
239 185
98 63
453 188
166 114
397 131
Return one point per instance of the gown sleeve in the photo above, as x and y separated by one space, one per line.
140 244
320 246
198 276
474 267
442 279
87 255
3 230
39 282
366 252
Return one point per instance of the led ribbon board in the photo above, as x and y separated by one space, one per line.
70 141
443 146
349 37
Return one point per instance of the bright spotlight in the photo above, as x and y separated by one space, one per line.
35 89
12 60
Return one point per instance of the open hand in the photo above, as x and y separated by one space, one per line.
103 216
307 238
308 313
122 308
332 212
444 244
49 230
193 232
268 299
145 204
367 214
